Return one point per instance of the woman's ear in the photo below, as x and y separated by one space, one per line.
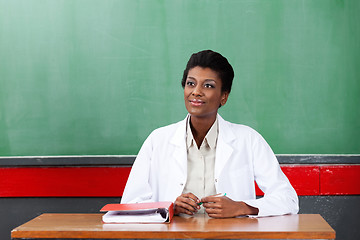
224 98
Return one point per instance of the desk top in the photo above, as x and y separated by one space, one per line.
200 226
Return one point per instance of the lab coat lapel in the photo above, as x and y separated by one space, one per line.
224 148
180 153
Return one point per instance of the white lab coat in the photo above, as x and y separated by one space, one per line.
242 156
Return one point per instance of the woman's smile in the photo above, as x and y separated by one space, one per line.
197 102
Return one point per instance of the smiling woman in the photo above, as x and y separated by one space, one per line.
201 151
203 95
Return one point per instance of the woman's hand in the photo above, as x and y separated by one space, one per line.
187 203
224 207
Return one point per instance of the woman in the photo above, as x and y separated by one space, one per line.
200 159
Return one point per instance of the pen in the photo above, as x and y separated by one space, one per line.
217 195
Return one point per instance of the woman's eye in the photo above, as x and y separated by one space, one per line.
189 83
209 85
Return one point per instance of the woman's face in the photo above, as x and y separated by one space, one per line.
202 93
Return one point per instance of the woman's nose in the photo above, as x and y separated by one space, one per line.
197 91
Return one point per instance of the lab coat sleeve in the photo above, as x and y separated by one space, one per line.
279 196
137 188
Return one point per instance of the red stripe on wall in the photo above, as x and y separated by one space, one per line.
340 180
304 178
63 181
110 181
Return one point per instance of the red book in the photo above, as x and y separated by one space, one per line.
152 212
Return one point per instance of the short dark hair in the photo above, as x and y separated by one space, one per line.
216 62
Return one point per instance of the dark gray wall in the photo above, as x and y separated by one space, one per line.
16 211
341 212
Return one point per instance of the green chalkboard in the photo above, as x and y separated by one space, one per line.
97 76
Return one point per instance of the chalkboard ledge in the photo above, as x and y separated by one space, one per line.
128 160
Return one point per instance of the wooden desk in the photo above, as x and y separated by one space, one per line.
308 226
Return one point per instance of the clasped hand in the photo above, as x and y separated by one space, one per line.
215 206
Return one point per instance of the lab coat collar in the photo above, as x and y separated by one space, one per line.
224 147
225 130
179 138
180 153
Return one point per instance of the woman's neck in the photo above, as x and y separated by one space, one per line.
200 127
